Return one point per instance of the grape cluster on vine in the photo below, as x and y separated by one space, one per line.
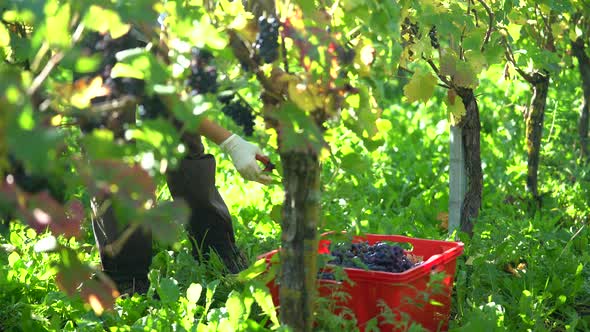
203 76
239 111
267 38
378 257
433 38
118 87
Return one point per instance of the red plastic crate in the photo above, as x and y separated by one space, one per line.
407 294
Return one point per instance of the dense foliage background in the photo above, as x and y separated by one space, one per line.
526 267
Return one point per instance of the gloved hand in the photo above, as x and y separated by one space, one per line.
243 155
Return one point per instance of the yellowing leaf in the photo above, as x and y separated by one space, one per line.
4 36
514 30
465 77
448 62
421 86
84 91
455 107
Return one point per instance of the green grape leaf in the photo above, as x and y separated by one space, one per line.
125 70
276 213
368 112
494 51
36 147
297 129
100 144
158 136
166 220
253 271
105 20
58 23
168 290
474 39
143 65
421 86
264 300
235 308
308 6
423 47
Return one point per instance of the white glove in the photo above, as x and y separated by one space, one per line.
243 155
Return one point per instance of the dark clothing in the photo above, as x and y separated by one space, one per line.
209 226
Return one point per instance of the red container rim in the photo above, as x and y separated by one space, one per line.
454 250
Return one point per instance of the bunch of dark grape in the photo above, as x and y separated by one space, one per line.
411 29
239 111
108 47
267 39
203 76
433 38
378 257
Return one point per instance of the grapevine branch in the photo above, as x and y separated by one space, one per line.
550 38
443 78
39 79
52 63
511 59
490 23
115 105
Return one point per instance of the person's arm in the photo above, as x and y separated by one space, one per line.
243 153
214 132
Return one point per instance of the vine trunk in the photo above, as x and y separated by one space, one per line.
579 52
471 127
301 211
534 118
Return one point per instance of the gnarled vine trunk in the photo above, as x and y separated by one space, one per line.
534 118
579 52
470 129
301 212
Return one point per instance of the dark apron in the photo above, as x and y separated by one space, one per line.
209 227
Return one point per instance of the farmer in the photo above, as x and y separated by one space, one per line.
210 225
